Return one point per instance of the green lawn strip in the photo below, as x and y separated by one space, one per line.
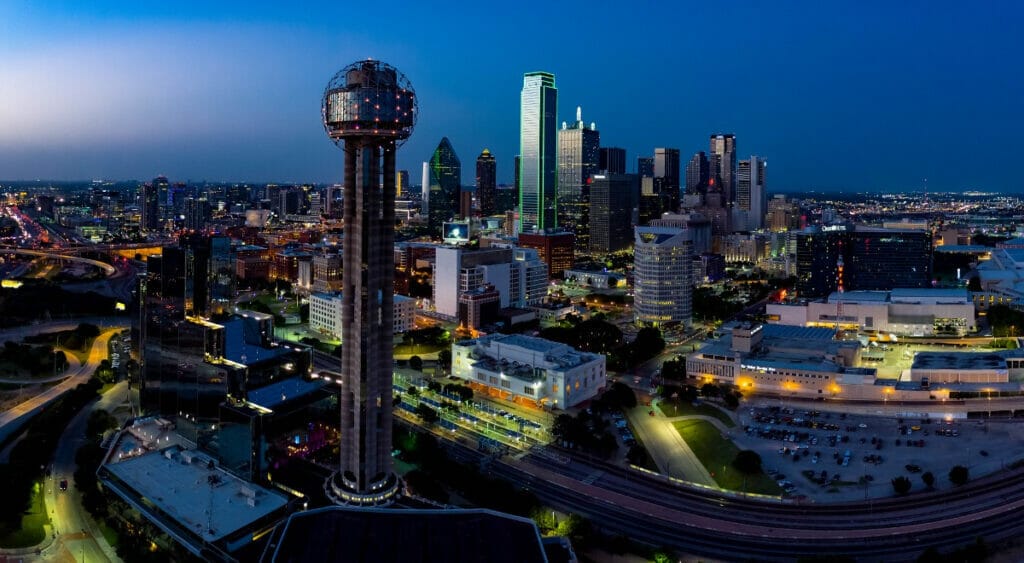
31 531
109 533
682 408
717 453
416 349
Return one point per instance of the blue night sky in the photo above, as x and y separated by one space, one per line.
836 95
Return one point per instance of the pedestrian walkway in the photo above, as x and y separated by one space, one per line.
667 448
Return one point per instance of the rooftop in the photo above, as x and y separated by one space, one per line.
412 535
798 332
958 360
285 390
187 489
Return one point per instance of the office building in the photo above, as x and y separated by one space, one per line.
486 183
197 213
402 187
751 194
722 156
518 275
506 199
149 204
662 269
666 178
325 313
371 133
164 198
578 160
612 200
555 249
444 187
528 369
479 307
645 166
698 174
611 160
538 153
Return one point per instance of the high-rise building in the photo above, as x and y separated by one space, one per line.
555 249
402 187
869 259
445 188
645 166
149 203
486 183
698 174
666 177
197 213
662 269
164 196
612 160
612 199
371 132
751 196
578 159
722 153
538 152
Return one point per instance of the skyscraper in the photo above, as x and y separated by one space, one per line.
666 177
486 183
538 152
445 177
612 199
612 160
578 159
723 165
698 173
751 197
645 166
164 197
149 216
372 108
662 269
403 186
197 213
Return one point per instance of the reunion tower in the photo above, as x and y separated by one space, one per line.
370 106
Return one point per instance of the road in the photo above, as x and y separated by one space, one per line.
12 419
78 536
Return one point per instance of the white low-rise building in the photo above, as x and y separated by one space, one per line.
325 313
905 312
514 366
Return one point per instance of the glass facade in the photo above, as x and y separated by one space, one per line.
612 199
445 177
538 156
486 183
578 160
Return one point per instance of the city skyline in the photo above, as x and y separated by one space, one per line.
188 112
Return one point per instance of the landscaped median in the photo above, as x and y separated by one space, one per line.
717 453
682 408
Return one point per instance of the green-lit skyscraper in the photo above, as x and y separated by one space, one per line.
538 150
445 192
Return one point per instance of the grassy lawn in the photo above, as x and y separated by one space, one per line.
681 408
31 531
109 533
717 453
414 349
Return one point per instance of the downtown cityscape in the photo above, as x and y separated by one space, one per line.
325 292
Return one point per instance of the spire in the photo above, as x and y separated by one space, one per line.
579 113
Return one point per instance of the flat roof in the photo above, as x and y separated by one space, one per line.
928 292
188 492
286 390
958 360
859 297
373 534
798 332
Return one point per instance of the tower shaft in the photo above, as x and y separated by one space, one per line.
367 321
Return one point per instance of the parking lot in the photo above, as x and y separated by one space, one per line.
832 456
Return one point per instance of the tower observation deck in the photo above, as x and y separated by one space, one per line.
369 109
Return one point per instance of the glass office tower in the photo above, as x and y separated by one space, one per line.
538 162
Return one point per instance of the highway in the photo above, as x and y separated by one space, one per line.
12 419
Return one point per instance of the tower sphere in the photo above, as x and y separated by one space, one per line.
369 99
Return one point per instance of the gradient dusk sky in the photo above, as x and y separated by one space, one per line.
852 95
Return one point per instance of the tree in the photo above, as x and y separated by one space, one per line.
620 395
416 363
88 330
648 343
929 479
959 475
444 358
428 414
732 400
901 485
99 422
709 390
747 462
